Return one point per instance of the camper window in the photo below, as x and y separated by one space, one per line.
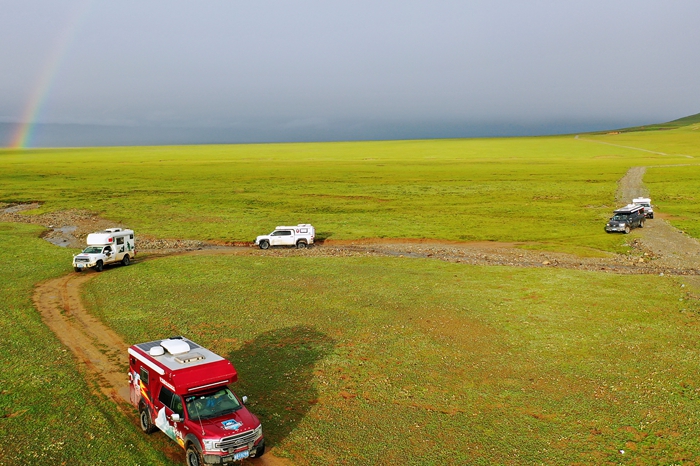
144 376
120 240
165 396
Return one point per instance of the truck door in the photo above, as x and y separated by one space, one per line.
170 404
281 238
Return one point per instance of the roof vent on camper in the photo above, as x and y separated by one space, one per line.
112 230
156 351
175 346
189 357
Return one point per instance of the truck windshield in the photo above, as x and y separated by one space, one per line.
93 250
210 405
620 217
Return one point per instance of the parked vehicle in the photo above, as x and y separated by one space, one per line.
183 389
646 203
113 245
626 218
300 236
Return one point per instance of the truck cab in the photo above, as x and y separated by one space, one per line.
300 236
183 390
113 245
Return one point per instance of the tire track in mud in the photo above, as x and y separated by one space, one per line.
99 350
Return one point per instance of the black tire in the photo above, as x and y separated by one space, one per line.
301 244
126 260
651 216
627 230
192 456
145 420
641 224
260 450
99 266
77 269
264 244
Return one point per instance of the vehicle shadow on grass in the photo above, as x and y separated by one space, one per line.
276 372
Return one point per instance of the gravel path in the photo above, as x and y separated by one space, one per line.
669 246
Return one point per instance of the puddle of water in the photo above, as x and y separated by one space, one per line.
19 208
64 236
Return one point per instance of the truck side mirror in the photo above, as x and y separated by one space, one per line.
175 417
244 399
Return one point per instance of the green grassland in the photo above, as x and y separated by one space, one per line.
555 192
50 414
410 361
371 360
679 123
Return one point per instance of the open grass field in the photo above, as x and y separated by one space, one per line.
552 192
405 361
371 360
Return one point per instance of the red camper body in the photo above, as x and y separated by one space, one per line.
182 389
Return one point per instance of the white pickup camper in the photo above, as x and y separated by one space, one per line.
301 236
646 203
106 247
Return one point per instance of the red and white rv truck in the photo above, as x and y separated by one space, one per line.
182 389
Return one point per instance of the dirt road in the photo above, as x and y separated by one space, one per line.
671 248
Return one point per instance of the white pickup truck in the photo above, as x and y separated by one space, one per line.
106 247
301 236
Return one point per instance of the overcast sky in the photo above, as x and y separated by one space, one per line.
309 66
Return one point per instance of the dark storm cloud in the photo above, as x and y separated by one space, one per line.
314 67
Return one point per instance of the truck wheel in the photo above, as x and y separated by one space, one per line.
192 457
264 244
641 224
260 450
77 269
145 418
126 260
99 266
301 244
627 230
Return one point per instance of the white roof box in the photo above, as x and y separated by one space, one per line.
174 346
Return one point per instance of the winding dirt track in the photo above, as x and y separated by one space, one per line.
102 353
98 349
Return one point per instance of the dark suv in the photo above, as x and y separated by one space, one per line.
626 218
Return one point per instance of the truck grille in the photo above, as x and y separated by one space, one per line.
81 259
237 440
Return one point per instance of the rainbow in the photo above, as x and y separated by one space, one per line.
23 134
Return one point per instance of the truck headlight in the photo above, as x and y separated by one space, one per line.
209 445
258 432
